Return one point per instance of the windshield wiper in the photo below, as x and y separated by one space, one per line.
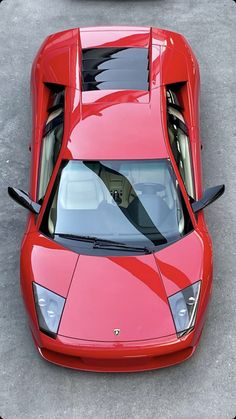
104 243
89 239
121 246
75 237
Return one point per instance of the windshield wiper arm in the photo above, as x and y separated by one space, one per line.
121 246
103 243
88 239
75 237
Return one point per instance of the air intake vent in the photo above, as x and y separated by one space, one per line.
115 69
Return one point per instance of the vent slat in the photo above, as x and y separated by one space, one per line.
115 69
115 85
108 53
114 64
115 75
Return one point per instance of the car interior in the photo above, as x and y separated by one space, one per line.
93 199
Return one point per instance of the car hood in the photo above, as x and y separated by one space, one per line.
129 294
124 293
47 263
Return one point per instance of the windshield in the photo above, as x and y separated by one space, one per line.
135 202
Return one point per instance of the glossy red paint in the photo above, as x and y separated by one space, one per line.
125 288
117 357
104 293
116 137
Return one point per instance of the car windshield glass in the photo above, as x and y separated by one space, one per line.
133 202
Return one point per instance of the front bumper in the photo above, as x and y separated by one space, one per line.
119 356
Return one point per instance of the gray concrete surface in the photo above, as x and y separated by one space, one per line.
203 387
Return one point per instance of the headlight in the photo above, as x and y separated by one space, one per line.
49 308
183 306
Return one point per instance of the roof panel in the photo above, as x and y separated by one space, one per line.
117 127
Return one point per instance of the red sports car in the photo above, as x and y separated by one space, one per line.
116 260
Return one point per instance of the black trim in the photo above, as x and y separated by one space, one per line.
53 123
114 75
113 64
115 69
183 127
115 85
23 199
54 87
53 108
114 52
210 195
175 87
174 120
176 106
57 97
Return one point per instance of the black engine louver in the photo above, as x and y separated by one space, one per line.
115 69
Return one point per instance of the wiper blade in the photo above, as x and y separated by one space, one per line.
76 237
121 246
104 243
87 239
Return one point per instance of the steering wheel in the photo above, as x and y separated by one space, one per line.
149 187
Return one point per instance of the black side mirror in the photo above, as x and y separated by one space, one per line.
23 199
209 196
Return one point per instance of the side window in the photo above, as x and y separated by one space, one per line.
179 141
51 143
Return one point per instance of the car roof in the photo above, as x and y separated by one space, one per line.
124 119
120 127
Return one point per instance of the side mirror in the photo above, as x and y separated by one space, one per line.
23 199
209 196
